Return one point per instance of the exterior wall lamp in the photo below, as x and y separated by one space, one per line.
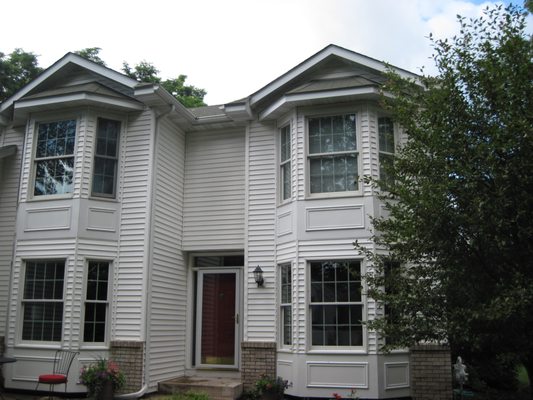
258 276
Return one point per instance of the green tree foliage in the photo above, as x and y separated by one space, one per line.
460 224
92 54
188 95
16 70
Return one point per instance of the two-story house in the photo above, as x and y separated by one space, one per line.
131 227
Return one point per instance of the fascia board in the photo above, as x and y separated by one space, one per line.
294 99
77 98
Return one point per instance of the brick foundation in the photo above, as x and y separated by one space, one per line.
431 372
129 355
258 358
2 349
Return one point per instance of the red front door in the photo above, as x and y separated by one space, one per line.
217 318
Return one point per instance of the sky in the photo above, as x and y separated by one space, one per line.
232 48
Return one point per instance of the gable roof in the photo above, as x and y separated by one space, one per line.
61 64
300 85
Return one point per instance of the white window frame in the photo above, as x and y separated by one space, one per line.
285 305
116 158
107 302
361 303
285 164
25 301
35 160
331 112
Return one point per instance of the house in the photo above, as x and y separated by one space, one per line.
131 227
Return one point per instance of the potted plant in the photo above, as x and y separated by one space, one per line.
269 388
102 379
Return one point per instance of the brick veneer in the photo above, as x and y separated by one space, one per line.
129 355
431 372
2 349
258 358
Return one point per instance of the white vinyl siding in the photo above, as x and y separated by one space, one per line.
137 150
168 290
214 191
261 302
9 182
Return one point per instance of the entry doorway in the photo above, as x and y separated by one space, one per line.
218 318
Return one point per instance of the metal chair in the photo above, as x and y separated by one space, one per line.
62 362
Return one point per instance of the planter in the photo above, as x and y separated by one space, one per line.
107 392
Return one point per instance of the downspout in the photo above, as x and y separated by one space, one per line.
144 388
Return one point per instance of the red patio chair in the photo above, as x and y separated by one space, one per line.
62 362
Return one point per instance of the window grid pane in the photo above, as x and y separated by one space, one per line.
336 308
285 162
96 302
106 157
43 301
333 154
54 158
286 304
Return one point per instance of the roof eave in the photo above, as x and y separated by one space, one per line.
297 99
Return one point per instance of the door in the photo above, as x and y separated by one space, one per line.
217 319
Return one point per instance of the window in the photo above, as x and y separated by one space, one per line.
336 307
386 147
333 154
43 301
54 158
96 302
286 304
106 158
285 163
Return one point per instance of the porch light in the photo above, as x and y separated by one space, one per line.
258 276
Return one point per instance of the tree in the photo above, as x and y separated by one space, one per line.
91 54
188 95
16 70
456 251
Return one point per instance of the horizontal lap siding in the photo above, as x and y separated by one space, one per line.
214 191
261 302
135 185
168 289
9 188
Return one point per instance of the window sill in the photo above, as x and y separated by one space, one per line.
337 351
50 197
35 345
333 195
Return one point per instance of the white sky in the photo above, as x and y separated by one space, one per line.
231 48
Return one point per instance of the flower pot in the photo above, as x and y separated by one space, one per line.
107 392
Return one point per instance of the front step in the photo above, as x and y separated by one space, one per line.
215 388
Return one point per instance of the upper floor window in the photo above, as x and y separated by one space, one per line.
106 158
286 304
333 154
386 146
54 158
42 303
96 303
285 162
336 305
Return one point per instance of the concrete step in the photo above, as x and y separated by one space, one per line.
215 388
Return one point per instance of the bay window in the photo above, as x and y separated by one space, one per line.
54 157
333 154
336 305
42 303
